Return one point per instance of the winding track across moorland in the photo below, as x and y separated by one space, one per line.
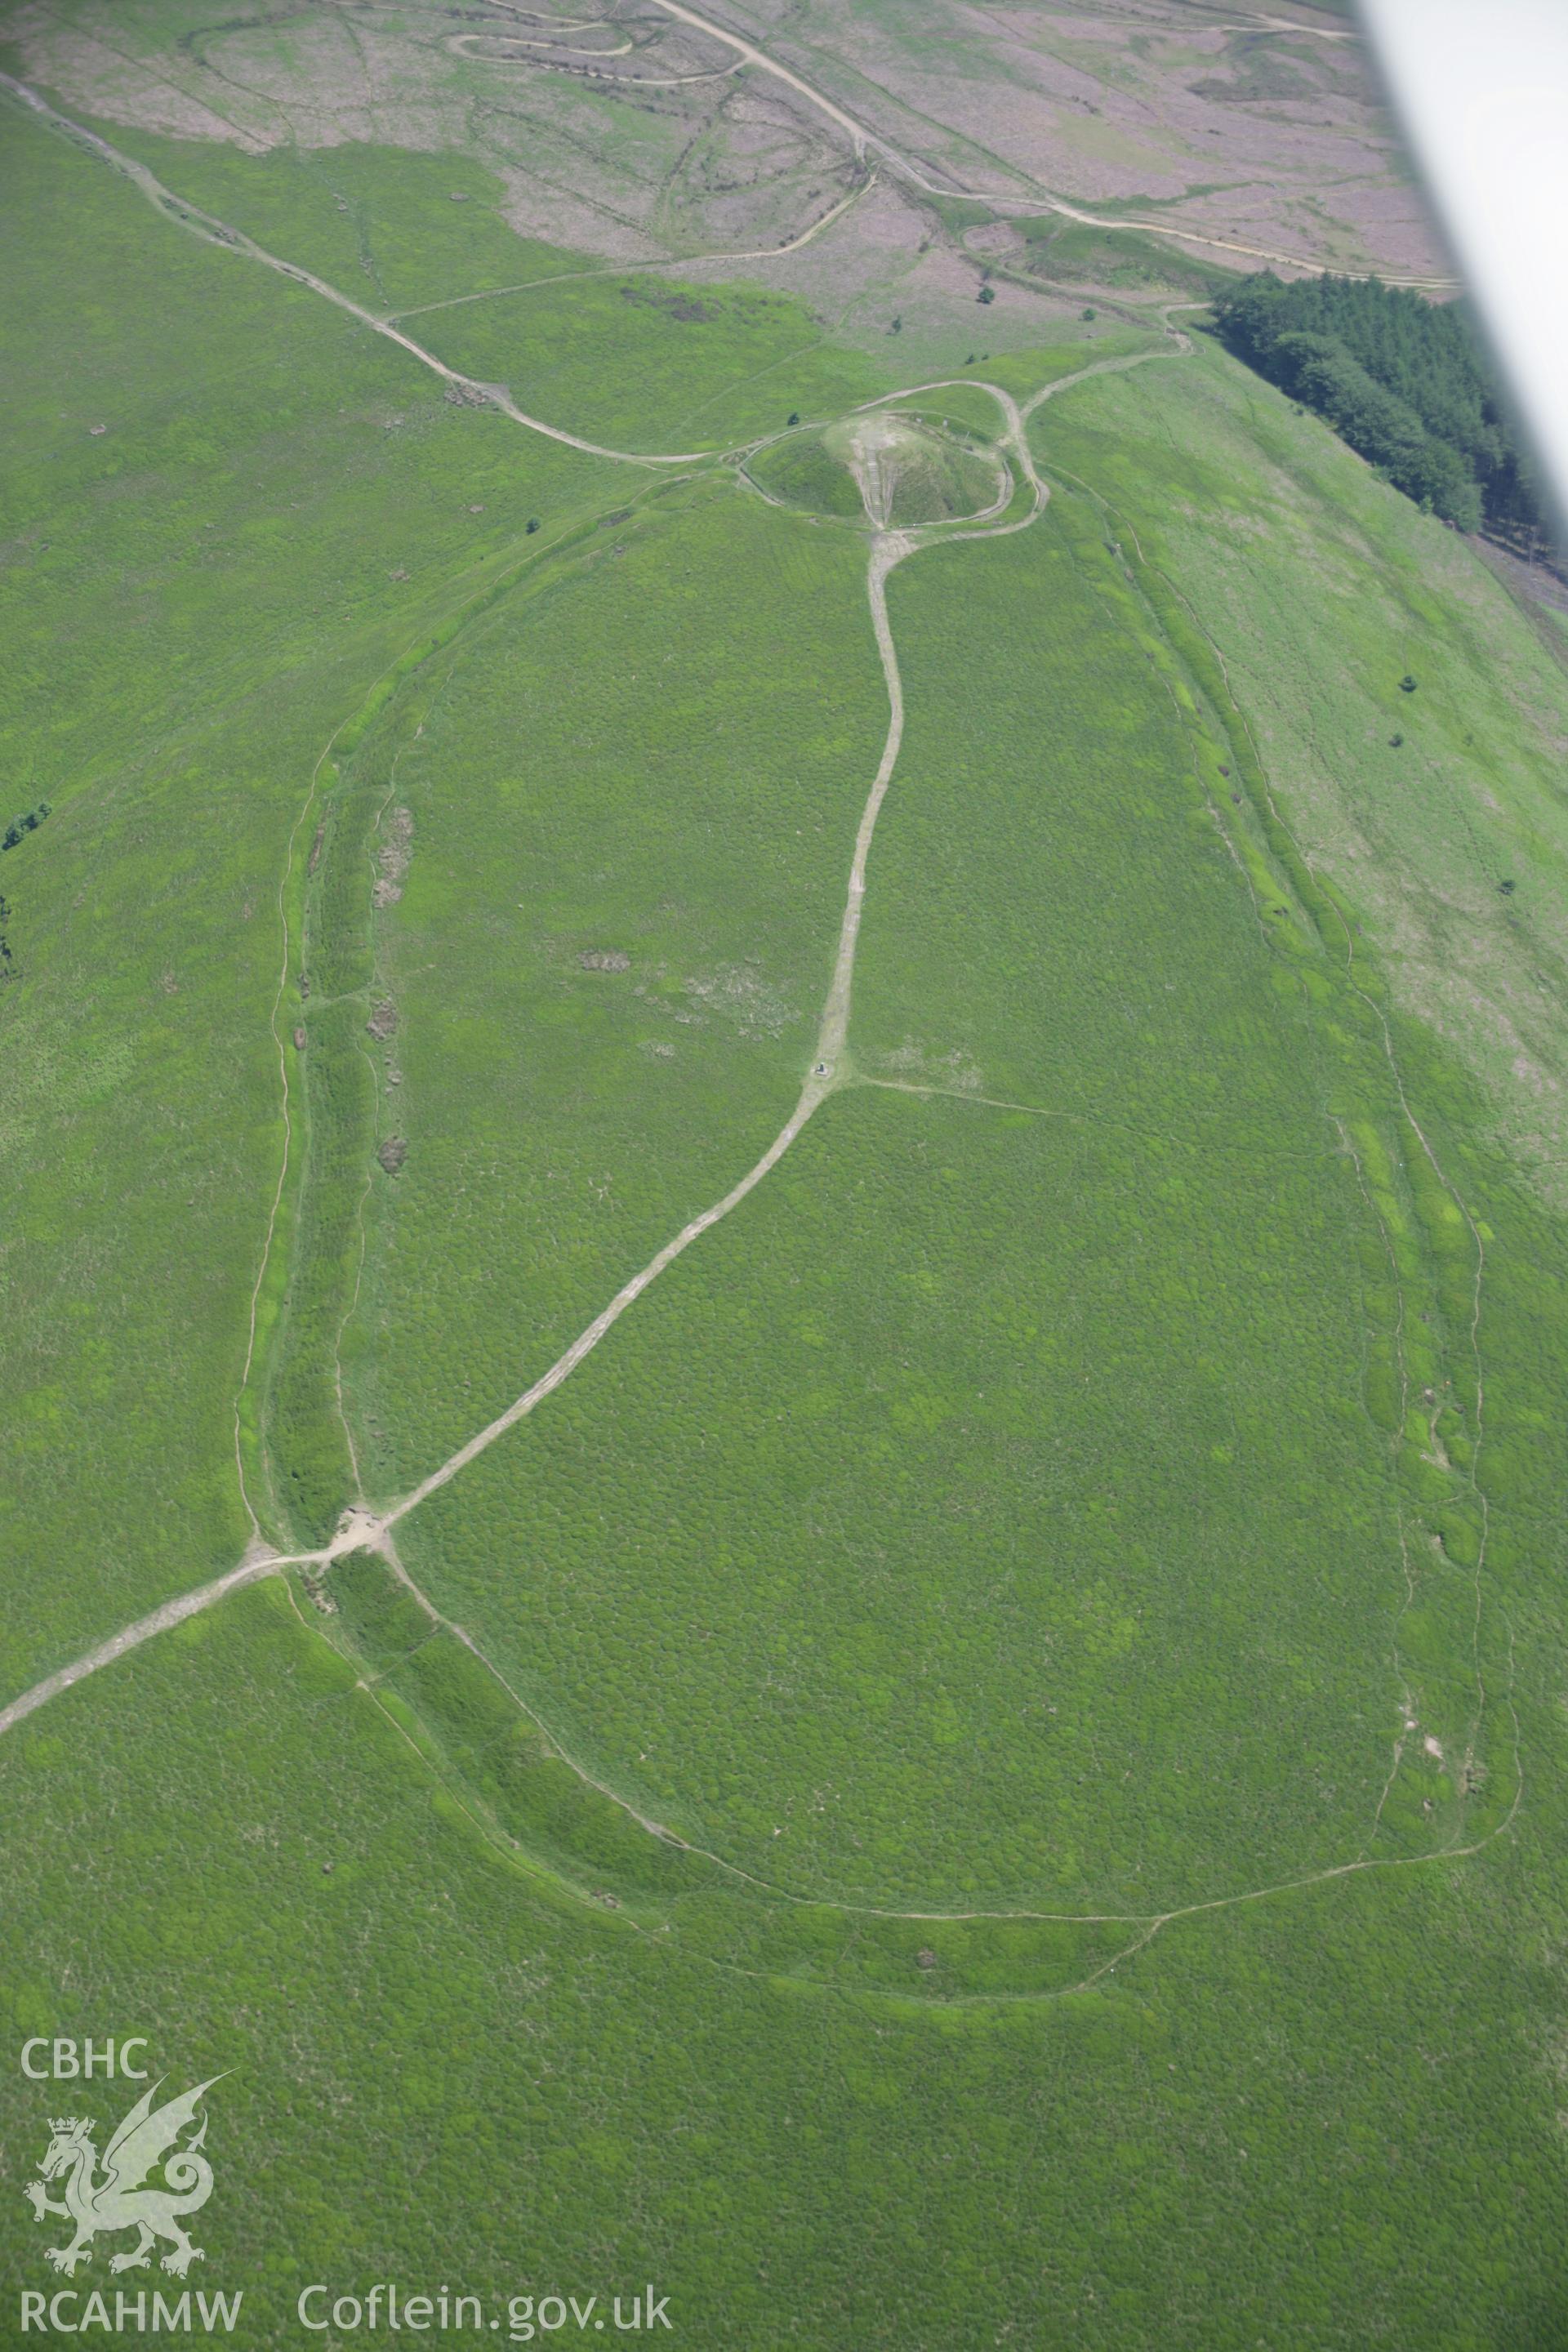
676 261
907 169
233 240
864 140
364 1529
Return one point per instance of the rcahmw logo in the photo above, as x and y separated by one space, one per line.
152 2177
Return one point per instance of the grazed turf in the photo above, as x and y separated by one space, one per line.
966 1415
391 230
442 2069
923 1543
803 473
198 595
1322 591
1050 1428
676 817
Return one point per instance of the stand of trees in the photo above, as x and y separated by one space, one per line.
19 825
1406 381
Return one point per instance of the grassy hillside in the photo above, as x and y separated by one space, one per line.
1064 1428
199 595
430 2048
804 472
899 470
1012 1788
1244 504
615 933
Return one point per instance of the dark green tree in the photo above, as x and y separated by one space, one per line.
1406 381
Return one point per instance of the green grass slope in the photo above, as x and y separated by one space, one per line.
441 2068
197 596
392 230
640 361
1066 1410
688 368
1321 588
803 472
1167 1338
929 476
628 846
970 1524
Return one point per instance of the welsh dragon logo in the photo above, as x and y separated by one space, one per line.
122 2199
